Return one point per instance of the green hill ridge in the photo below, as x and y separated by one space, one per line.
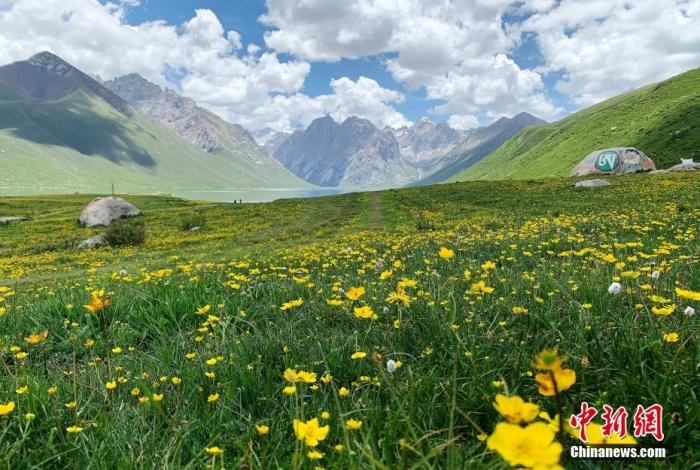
662 120
63 132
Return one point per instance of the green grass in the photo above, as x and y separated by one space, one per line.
548 242
662 120
81 144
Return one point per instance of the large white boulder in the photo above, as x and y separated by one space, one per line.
103 210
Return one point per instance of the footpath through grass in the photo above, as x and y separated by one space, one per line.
393 318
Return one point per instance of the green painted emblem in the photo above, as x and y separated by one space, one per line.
607 161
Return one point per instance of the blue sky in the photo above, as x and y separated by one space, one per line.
242 16
282 63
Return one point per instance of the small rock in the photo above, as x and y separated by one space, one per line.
8 219
686 164
196 228
597 183
103 210
92 242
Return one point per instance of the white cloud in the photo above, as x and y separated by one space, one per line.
237 82
605 47
364 98
454 49
463 121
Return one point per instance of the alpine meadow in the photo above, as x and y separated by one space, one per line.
371 235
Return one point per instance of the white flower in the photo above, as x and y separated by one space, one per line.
615 288
391 366
123 273
690 311
655 275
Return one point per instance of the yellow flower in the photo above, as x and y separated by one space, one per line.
117 350
325 415
359 355
176 380
519 310
7 408
340 448
488 265
111 385
293 376
446 253
29 416
290 390
385 275
212 398
37 338
262 429
98 302
292 304
658 299
343 392
215 451
71 405
355 293
203 310
547 360
52 390
353 424
310 431
135 392
515 409
480 288
364 312
564 379
687 294
157 397
531 446
665 310
314 455
398 297
22 390
74 429
671 337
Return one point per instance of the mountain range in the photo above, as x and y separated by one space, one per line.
63 131
357 153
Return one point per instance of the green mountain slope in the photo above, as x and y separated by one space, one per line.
81 144
662 120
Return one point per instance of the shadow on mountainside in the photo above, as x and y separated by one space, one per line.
76 125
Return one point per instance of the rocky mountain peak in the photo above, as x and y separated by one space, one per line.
133 87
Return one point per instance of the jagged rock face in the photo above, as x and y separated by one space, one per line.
183 116
357 153
274 141
426 140
354 153
47 77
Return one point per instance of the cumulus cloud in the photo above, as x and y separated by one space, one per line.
453 49
605 47
364 98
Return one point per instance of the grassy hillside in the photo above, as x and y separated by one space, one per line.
395 319
662 120
81 144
